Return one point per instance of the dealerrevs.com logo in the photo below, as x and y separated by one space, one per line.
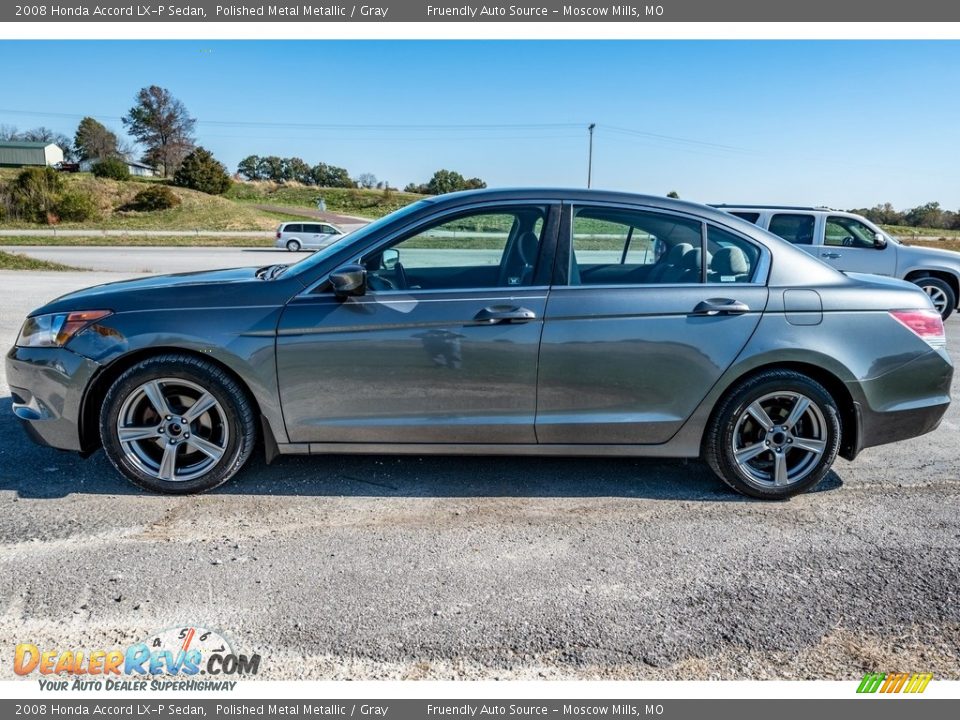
200 659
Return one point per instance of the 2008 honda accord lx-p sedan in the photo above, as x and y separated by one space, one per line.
525 322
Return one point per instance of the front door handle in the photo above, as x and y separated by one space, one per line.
720 306
831 255
504 314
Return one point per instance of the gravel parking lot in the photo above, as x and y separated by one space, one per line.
384 567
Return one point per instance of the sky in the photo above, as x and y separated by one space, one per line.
845 124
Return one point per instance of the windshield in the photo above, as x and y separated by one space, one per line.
357 235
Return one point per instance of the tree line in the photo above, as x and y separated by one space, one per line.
928 215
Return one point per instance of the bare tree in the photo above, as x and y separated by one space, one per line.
46 135
163 126
367 180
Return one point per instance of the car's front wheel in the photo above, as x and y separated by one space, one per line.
175 423
293 245
775 435
941 295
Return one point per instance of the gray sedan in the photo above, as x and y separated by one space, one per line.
524 322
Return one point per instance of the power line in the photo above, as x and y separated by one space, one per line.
420 127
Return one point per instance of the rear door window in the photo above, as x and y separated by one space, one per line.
795 228
617 246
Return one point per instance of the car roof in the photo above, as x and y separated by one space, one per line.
749 206
567 194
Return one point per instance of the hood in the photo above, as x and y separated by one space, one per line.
925 251
208 288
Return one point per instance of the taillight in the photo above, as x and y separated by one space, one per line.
926 324
278 234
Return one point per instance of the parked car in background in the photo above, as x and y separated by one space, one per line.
296 236
852 243
519 322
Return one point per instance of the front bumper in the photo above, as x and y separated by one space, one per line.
47 385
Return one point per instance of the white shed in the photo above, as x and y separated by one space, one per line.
29 154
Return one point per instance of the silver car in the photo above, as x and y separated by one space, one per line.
851 243
295 236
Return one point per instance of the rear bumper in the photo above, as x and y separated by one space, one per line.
904 403
47 385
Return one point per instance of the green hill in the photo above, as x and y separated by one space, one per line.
197 211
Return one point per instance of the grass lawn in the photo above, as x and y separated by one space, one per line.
136 240
905 232
15 261
950 243
362 203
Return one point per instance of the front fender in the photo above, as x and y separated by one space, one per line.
241 339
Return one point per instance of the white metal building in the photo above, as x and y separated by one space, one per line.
29 154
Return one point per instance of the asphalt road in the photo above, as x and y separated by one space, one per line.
382 567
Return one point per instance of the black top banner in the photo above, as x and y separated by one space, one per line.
453 11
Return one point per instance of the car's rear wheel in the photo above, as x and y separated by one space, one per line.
293 245
175 423
775 435
941 295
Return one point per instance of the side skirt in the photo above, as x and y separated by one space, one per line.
662 451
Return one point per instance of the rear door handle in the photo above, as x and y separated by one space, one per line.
504 314
720 306
831 255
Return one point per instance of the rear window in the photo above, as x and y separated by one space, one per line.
748 216
793 227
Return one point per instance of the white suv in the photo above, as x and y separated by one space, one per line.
296 236
852 243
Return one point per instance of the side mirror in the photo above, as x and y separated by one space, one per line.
390 258
879 241
349 280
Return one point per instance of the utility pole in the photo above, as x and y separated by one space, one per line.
590 156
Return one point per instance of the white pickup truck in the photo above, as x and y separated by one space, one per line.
852 243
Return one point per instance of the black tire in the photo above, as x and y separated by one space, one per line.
234 412
293 245
732 422
939 290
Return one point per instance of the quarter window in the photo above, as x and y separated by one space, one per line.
732 259
794 228
748 216
613 246
293 228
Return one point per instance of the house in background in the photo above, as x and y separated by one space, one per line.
29 154
136 168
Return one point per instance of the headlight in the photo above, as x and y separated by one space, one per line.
56 329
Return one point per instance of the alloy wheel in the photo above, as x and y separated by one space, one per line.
937 296
172 429
779 439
